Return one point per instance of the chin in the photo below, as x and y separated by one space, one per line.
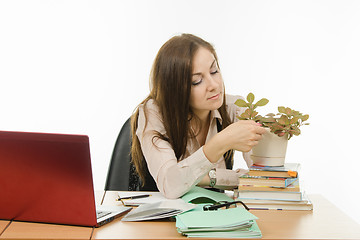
217 105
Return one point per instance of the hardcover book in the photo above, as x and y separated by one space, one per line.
286 171
266 181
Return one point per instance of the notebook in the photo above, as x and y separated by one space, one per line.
47 178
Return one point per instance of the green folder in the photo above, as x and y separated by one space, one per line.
221 218
198 195
231 223
252 232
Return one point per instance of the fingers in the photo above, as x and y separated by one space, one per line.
259 129
256 131
245 135
241 171
255 135
248 146
253 126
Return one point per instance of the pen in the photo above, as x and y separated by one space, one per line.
135 197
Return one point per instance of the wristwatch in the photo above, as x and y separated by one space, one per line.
212 176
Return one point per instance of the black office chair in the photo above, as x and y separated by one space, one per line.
122 175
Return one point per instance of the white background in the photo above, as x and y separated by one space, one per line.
83 66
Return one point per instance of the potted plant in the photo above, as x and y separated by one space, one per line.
271 149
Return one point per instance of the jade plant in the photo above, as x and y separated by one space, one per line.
286 122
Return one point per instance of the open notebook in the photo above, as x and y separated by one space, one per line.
48 178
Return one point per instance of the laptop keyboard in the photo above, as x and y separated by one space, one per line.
100 214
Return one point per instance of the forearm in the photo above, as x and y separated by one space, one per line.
226 179
205 181
175 178
215 148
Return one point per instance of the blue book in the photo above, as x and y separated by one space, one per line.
267 181
287 170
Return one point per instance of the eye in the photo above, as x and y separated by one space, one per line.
214 70
196 82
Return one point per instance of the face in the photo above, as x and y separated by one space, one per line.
207 89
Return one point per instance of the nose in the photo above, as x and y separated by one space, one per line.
212 83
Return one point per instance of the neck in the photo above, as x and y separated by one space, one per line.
202 120
204 117
200 126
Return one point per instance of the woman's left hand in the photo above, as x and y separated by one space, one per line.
228 178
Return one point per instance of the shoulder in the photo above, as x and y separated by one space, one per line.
150 117
231 99
232 108
149 106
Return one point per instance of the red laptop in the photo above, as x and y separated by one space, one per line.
48 178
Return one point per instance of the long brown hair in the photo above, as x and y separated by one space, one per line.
170 80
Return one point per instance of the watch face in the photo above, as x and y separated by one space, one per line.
212 174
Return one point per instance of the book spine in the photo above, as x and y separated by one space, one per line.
290 181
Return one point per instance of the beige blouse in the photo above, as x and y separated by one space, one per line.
174 178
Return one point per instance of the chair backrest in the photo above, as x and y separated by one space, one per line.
121 173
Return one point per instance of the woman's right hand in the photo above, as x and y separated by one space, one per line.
243 135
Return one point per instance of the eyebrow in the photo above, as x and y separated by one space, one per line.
212 65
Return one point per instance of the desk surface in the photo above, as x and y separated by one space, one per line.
3 225
324 222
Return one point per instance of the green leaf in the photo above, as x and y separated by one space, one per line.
288 111
283 120
278 128
268 120
297 133
295 113
262 102
279 133
305 117
258 118
246 114
294 120
253 114
241 103
281 109
250 97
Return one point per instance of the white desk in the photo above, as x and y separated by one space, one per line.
325 222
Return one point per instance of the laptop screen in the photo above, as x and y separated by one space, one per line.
46 178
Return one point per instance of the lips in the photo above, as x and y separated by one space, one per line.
214 97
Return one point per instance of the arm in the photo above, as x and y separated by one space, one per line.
226 177
173 178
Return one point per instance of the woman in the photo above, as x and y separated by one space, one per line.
187 126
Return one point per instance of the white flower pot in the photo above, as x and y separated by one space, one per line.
271 150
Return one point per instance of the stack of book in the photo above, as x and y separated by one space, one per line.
266 187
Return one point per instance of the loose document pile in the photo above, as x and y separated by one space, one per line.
222 223
191 218
158 210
